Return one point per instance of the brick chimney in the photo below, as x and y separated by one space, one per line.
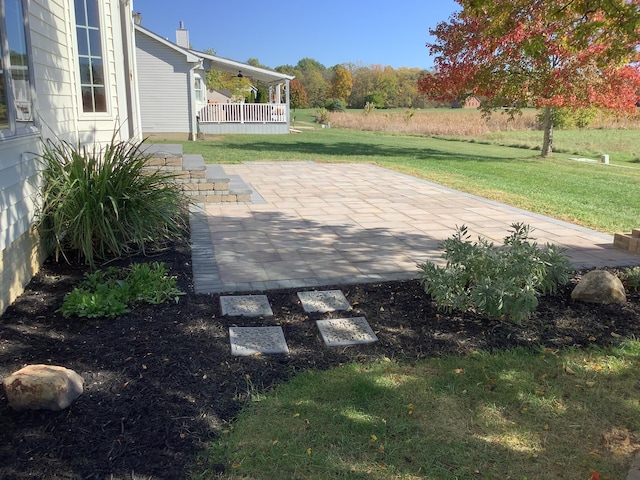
182 36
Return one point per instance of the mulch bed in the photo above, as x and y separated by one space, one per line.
160 381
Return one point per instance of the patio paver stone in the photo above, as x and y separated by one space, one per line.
246 306
324 301
346 331
257 340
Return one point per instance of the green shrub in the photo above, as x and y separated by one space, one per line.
631 278
376 98
572 118
322 116
335 105
502 282
110 292
101 203
369 108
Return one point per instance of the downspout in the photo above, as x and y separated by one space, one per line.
126 27
193 127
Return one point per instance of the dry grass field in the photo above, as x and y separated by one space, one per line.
457 122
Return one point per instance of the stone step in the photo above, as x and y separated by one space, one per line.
156 150
203 183
628 241
216 173
193 162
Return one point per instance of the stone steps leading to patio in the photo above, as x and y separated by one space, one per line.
203 183
628 241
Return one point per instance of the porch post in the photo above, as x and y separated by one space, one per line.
288 102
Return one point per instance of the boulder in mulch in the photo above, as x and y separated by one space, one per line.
599 286
42 387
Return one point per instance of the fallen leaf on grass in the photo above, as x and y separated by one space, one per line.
569 371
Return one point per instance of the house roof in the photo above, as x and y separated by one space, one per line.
189 56
265 75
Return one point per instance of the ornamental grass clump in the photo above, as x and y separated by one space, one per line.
499 282
101 203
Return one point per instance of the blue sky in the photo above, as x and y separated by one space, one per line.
384 32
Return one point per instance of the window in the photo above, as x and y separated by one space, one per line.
15 80
94 97
199 90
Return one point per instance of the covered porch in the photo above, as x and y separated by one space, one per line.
240 117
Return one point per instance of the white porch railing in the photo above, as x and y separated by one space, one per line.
244 113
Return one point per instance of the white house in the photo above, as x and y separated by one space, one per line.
173 92
68 72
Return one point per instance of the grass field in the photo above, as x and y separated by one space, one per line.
596 196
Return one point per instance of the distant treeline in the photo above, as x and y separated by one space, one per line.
354 85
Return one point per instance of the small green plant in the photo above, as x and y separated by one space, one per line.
151 283
322 116
110 292
408 115
369 107
102 203
102 301
631 278
500 282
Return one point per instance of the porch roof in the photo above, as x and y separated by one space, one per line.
232 66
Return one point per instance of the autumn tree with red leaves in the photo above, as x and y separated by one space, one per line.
545 53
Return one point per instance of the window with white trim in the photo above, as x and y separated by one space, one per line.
199 90
16 107
90 57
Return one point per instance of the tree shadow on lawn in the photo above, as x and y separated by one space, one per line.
348 150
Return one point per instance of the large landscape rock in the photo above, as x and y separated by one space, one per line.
42 387
599 286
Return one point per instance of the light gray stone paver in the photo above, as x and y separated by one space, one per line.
331 224
257 340
324 301
245 306
338 332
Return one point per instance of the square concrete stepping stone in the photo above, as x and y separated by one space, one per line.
257 340
324 301
246 306
346 331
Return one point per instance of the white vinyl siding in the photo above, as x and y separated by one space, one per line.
163 83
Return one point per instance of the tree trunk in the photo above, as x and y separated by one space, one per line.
547 143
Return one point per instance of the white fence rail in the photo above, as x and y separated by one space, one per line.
243 113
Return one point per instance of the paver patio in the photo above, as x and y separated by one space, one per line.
313 224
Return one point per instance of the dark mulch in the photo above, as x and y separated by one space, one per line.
160 381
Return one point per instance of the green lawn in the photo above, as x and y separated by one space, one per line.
516 414
596 196
622 146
